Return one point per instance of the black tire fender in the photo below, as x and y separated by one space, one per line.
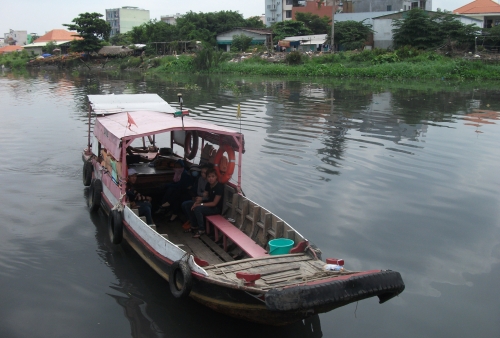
190 152
180 279
115 226
87 173
94 198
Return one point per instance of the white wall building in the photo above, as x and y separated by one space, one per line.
123 19
274 11
170 19
18 38
389 5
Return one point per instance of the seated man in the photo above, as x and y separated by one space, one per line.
197 188
174 192
143 203
195 210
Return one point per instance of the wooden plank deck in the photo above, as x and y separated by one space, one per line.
203 248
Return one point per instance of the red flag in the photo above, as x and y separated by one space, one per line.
130 121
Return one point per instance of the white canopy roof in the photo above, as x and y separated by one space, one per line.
110 104
317 39
43 44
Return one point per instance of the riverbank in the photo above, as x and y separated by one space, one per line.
398 65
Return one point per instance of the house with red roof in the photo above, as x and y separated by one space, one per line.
10 49
486 10
60 37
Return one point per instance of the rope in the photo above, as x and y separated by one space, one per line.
223 272
119 206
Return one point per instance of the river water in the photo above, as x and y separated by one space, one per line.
401 176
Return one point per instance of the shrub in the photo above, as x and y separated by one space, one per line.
386 58
293 58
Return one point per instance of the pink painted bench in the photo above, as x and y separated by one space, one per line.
238 237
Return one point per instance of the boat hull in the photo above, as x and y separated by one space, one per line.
277 306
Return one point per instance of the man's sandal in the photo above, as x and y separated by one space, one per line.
198 234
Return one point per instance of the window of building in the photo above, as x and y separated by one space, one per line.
414 5
389 8
289 2
288 14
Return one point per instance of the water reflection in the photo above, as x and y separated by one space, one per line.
478 118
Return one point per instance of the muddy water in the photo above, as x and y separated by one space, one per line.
385 175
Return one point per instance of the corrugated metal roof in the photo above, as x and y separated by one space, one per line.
307 37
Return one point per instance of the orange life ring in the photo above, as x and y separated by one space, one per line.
224 177
190 152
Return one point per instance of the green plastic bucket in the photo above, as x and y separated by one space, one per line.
280 246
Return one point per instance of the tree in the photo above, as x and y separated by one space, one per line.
416 29
49 47
254 22
206 26
352 34
92 29
120 40
289 28
153 31
454 32
491 36
312 21
421 30
241 42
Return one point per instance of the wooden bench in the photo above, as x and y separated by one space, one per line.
238 237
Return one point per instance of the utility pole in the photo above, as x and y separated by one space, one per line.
333 26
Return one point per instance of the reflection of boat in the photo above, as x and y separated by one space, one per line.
242 280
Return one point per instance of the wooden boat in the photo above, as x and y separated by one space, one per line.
238 276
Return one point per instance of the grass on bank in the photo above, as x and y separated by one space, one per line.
404 63
15 60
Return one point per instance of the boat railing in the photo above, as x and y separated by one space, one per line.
255 221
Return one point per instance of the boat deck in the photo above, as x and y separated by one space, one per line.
204 247
275 271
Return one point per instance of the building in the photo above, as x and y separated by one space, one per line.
282 10
123 19
259 37
10 49
274 11
170 19
487 11
314 43
16 38
388 5
60 37
382 27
